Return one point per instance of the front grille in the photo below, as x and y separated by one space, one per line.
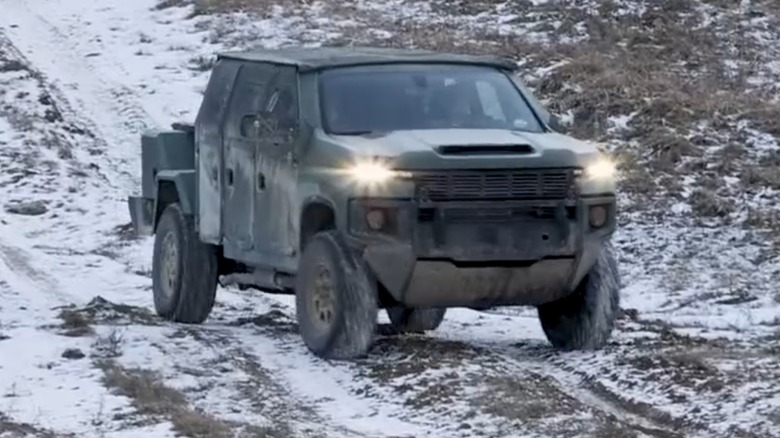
467 185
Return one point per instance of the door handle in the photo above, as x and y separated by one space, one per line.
260 181
230 177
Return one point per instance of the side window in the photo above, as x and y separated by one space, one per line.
282 102
249 95
283 108
533 101
491 104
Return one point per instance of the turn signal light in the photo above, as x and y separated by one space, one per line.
597 216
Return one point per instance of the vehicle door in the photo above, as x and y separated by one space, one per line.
208 149
240 145
276 183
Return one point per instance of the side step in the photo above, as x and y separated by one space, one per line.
261 279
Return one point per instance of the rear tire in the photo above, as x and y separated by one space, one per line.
585 319
415 320
335 298
184 269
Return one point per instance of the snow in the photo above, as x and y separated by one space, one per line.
117 68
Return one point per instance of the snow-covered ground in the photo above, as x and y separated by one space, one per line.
696 353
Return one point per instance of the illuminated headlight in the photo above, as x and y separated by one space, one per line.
603 169
373 172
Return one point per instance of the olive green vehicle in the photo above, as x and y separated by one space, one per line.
361 179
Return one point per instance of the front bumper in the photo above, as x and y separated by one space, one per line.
478 254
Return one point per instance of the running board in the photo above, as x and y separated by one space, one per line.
266 281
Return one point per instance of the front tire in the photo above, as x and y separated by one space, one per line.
415 320
585 319
184 269
335 298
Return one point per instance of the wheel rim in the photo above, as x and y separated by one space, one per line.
169 271
322 306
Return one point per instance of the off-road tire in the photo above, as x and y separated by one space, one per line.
406 320
350 333
585 319
194 286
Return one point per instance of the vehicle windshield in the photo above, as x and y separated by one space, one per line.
362 100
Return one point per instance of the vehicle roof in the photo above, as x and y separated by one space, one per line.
320 58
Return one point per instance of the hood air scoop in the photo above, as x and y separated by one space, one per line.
487 149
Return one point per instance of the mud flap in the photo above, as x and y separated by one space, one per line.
142 215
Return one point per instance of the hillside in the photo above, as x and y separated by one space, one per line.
684 93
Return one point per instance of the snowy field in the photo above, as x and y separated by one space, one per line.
697 349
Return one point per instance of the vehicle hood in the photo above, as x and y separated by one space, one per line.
399 143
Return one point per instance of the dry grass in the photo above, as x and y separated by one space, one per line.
75 323
257 7
12 429
202 63
152 398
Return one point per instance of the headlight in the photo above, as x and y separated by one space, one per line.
370 173
602 169
373 172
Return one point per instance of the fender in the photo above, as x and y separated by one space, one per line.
318 199
174 186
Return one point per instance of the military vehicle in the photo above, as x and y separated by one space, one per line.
361 179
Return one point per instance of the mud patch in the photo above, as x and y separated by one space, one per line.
492 393
79 321
529 399
405 356
686 368
426 374
274 320
678 382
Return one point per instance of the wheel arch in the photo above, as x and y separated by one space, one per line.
318 214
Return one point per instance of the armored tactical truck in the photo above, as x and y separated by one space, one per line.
361 179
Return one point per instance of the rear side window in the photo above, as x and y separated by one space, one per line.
249 97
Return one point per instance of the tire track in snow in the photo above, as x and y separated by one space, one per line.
19 263
24 273
110 109
274 399
417 377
